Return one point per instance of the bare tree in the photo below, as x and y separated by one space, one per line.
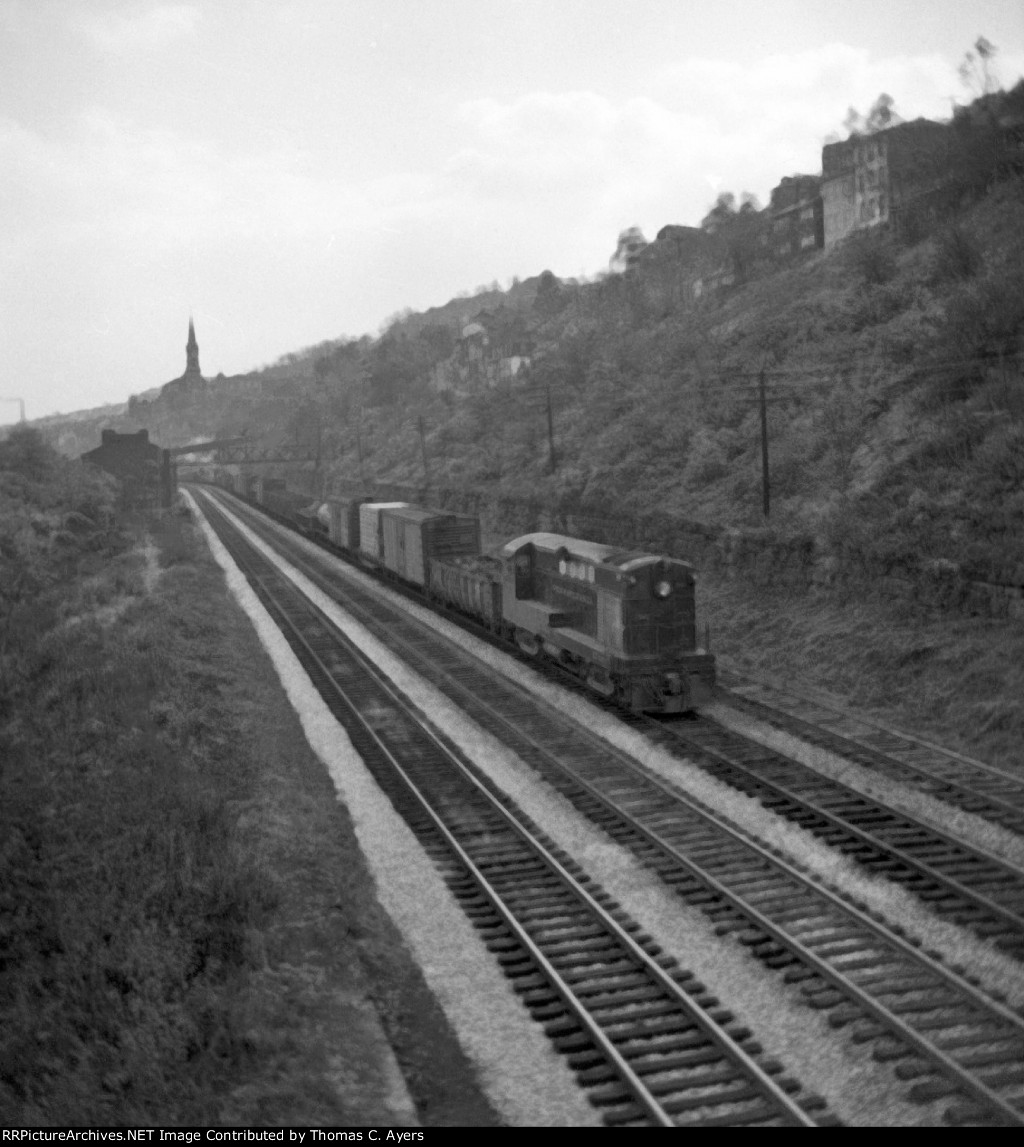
977 72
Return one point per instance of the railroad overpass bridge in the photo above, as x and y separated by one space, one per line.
245 451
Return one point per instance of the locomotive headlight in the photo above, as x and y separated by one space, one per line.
662 588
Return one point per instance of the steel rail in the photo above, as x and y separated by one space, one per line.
910 740
868 756
956 1073
775 1094
876 842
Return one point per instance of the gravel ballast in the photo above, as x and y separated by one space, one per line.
857 1088
525 1079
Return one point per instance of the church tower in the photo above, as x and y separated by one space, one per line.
192 353
180 391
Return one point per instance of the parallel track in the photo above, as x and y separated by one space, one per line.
915 1010
648 1042
963 884
971 785
960 882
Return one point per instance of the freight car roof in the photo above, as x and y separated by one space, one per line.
589 551
345 500
414 513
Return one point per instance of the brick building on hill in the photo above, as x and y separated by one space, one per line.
797 219
145 471
869 179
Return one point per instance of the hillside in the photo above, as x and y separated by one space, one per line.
189 932
890 363
894 402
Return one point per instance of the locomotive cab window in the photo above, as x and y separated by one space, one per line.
523 564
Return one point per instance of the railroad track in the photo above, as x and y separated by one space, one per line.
648 1043
959 882
963 884
945 1034
971 785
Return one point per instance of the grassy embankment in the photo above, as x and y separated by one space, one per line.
958 681
187 931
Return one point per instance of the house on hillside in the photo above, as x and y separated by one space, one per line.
869 179
680 260
146 472
478 362
683 248
716 280
797 217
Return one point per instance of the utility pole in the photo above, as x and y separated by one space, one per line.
318 474
359 445
552 461
423 447
764 445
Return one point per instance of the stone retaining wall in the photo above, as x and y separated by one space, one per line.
759 554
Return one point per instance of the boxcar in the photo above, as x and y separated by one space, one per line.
370 539
341 516
412 537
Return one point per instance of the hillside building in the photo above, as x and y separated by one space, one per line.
867 180
146 472
797 220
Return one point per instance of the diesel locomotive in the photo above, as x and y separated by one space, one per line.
622 621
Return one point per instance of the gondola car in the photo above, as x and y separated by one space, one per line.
309 521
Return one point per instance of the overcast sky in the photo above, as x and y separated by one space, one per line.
295 172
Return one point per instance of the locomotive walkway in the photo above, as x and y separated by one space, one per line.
943 1031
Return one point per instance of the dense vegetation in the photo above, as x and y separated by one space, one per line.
892 370
188 934
118 928
891 366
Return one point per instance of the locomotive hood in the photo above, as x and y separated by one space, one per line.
624 561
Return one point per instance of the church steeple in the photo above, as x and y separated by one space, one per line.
192 351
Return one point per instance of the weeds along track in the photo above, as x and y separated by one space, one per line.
647 1041
960 883
971 785
947 1037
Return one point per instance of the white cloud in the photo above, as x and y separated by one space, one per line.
590 161
118 32
155 185
110 214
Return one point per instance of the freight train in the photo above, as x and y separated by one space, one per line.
622 621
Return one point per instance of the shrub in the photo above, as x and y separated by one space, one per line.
705 461
957 257
870 253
